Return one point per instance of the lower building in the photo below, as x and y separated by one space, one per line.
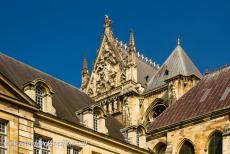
198 122
37 115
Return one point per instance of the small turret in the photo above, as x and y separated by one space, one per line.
132 50
131 71
84 74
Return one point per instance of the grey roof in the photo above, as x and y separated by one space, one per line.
66 98
144 72
144 69
178 63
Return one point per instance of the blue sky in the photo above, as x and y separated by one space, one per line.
53 35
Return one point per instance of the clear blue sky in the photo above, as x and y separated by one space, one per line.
52 35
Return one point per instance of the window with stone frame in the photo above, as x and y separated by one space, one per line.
73 149
138 138
3 137
95 121
42 145
215 143
187 148
39 97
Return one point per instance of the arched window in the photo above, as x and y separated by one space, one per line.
160 148
39 97
215 143
187 148
95 121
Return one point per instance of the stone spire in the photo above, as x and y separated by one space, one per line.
84 74
131 41
84 66
132 50
131 70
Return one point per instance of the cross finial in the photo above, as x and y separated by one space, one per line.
178 40
107 21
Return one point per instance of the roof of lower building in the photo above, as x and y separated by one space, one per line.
178 63
66 99
211 94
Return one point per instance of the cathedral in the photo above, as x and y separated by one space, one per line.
127 104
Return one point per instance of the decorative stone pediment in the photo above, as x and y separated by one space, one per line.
107 73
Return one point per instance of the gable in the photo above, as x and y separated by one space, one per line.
9 92
108 70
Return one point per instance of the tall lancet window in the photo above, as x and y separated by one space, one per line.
215 143
39 97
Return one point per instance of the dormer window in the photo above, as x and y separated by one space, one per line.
41 92
95 121
39 97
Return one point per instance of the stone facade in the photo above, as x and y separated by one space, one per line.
23 122
116 82
129 92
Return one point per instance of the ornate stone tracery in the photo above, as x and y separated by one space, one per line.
106 71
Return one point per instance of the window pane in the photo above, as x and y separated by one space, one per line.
36 151
2 140
39 97
41 145
95 122
2 151
187 148
2 128
68 149
215 144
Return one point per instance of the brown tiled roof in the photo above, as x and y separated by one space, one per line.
178 63
66 98
212 93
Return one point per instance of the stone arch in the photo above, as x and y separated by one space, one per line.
99 111
154 110
186 143
215 142
160 148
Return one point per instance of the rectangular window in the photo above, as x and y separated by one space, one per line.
73 149
138 138
95 122
3 135
42 145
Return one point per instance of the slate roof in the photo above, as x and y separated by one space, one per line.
66 98
144 72
212 93
178 63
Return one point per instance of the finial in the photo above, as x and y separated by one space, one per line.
84 66
107 21
178 40
131 39
206 72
